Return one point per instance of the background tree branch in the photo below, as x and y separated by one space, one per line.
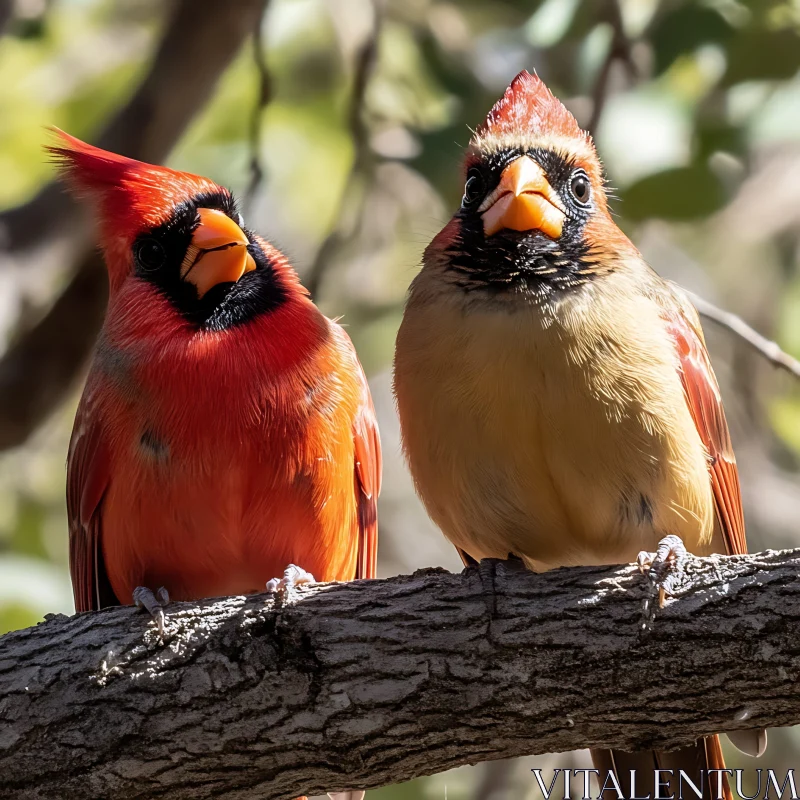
40 366
6 13
354 196
374 682
735 325
263 98
201 39
619 50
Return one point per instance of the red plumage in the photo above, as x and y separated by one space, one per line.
206 460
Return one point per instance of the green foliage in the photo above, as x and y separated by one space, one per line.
763 55
785 418
14 616
400 791
681 31
26 537
680 194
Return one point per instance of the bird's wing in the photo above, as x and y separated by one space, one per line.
705 403
368 480
87 479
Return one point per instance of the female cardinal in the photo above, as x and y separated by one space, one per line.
226 428
556 398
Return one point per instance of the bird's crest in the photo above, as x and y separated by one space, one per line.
529 106
530 116
131 195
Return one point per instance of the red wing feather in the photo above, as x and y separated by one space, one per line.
87 479
705 403
368 482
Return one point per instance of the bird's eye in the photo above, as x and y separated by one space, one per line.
579 186
150 255
474 188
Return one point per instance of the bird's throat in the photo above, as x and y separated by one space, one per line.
518 263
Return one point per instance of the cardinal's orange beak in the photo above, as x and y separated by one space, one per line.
218 252
523 201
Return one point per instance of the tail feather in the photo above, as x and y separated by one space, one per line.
715 760
694 760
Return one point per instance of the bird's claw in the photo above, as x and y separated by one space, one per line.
664 566
293 576
154 603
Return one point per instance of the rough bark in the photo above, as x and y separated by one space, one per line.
374 682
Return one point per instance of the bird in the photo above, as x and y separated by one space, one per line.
556 398
226 428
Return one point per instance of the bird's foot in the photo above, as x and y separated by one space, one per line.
664 566
293 576
352 795
154 603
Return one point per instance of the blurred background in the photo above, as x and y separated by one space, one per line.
341 124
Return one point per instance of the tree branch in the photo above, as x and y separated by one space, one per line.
38 368
769 350
619 49
6 13
354 197
263 99
374 682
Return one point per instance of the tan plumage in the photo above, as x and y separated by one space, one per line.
548 432
556 398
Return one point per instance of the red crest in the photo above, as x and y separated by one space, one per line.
131 196
529 106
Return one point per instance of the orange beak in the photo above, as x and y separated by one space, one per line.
217 253
523 201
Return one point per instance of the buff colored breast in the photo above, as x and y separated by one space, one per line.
528 431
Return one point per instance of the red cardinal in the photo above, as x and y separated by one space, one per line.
556 397
226 428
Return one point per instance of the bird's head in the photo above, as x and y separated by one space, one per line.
178 232
534 215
